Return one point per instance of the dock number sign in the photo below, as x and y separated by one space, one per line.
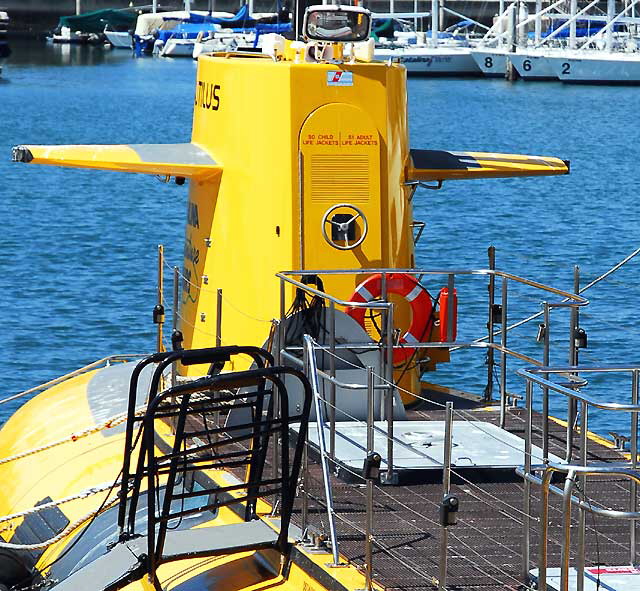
339 78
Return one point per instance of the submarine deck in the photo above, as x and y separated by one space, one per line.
485 547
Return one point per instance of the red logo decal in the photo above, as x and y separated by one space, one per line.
337 76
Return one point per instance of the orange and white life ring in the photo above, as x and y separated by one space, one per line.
411 290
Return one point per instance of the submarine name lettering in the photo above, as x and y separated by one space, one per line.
191 253
192 215
208 95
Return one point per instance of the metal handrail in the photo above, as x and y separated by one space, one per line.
326 376
311 364
572 471
577 399
577 300
528 374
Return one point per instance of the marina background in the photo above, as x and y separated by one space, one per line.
78 248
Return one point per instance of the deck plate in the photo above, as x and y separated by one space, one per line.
612 578
419 447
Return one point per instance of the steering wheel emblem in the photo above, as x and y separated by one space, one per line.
339 227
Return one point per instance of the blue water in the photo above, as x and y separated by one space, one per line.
78 248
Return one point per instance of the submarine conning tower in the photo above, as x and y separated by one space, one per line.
295 139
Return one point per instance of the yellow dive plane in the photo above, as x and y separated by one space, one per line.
299 160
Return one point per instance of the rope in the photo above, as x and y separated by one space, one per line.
81 495
95 365
108 424
65 532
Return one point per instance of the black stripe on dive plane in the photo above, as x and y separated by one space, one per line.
442 160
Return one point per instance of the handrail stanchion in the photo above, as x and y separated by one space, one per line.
544 531
219 317
633 490
488 392
389 394
159 316
174 320
566 528
281 330
526 541
368 548
582 479
304 518
446 488
545 391
332 385
278 358
326 476
574 323
503 356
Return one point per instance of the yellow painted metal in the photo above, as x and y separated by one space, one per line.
426 165
289 154
160 159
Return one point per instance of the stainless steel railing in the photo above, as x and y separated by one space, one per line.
574 473
576 400
568 300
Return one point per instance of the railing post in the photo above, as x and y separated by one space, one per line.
390 476
503 355
160 304
305 462
526 542
370 444
446 488
545 390
633 501
488 391
566 528
326 476
219 318
332 386
174 324
544 531
580 558
574 323
281 329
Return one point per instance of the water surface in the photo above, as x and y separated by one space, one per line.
78 250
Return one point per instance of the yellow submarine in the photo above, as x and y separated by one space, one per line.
299 165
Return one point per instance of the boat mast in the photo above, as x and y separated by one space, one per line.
501 17
538 22
435 24
611 13
572 27
78 9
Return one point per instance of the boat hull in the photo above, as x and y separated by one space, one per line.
430 61
492 63
602 68
532 66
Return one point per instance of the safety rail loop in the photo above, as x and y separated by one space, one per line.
311 369
572 471
567 389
